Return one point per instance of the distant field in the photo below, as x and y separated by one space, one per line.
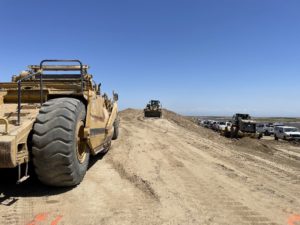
277 119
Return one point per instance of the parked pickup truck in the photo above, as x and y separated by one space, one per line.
286 133
222 126
265 128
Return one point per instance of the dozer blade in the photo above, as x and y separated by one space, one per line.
155 114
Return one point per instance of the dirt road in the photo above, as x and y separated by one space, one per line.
168 171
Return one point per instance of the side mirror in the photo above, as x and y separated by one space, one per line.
115 96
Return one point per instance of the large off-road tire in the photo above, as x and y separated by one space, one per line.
116 129
60 155
234 132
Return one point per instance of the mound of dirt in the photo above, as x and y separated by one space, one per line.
180 120
129 113
181 166
258 145
247 144
192 126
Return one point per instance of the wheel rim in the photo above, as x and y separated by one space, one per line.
80 144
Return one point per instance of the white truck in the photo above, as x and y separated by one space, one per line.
223 125
266 129
286 133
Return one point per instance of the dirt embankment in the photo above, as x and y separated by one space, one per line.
194 169
170 171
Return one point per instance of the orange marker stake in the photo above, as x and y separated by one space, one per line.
56 221
293 219
38 218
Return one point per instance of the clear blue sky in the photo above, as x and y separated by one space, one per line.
205 57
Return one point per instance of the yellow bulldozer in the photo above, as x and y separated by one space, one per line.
55 116
241 125
153 109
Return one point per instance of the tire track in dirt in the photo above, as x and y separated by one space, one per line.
252 163
137 181
17 213
214 201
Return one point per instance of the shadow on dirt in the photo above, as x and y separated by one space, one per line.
95 159
10 191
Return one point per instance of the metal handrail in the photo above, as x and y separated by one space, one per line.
67 60
40 72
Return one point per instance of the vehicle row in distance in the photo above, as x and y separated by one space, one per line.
245 125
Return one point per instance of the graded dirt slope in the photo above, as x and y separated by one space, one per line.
169 171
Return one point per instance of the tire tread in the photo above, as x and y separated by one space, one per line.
54 141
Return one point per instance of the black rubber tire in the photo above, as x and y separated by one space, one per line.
234 133
276 138
116 129
55 143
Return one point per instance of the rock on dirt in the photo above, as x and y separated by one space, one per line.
168 171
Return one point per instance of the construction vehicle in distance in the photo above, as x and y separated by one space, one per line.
56 121
153 109
242 126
